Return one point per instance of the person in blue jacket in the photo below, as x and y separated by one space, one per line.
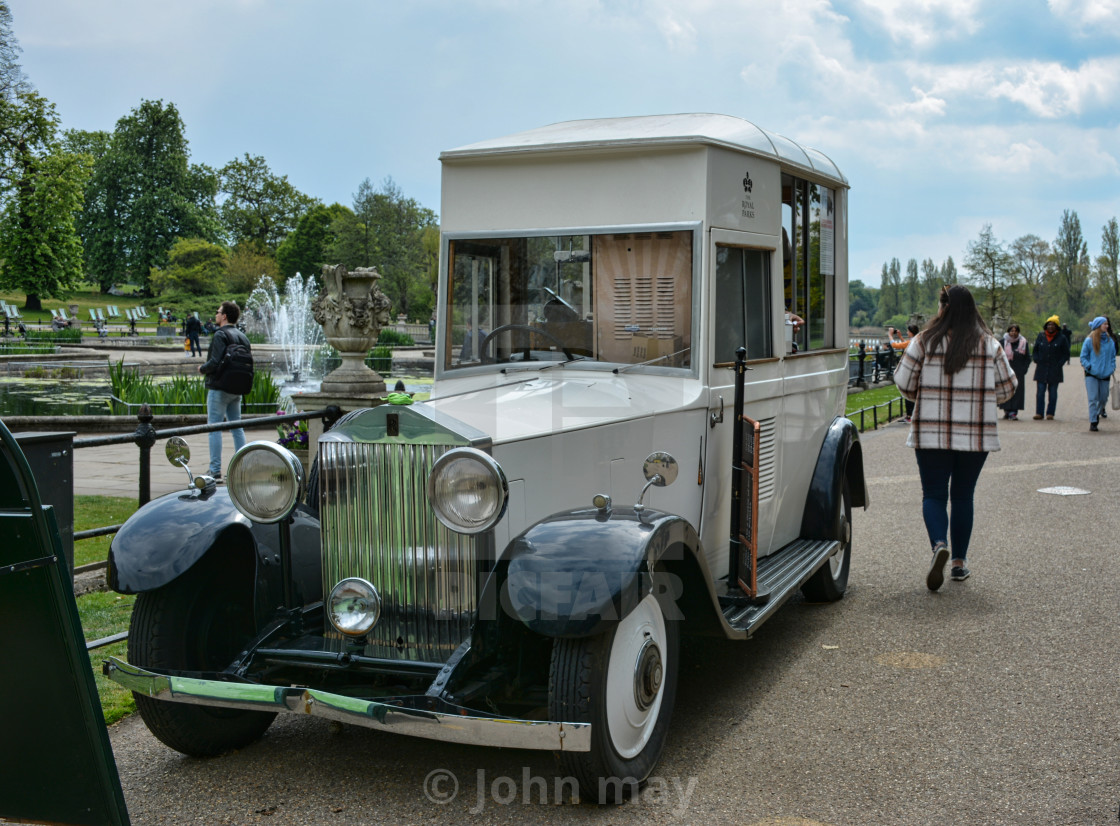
1098 357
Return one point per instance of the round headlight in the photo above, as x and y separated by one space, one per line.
265 481
354 607
467 490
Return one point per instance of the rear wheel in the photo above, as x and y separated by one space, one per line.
199 622
830 581
624 683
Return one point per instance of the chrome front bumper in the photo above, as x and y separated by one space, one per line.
425 717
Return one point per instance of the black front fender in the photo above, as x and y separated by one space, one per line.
169 535
574 572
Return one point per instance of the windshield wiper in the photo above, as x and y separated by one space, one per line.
651 361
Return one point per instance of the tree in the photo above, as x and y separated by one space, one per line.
39 242
305 249
259 207
1033 262
949 271
396 227
195 266
41 186
12 79
931 285
890 299
1071 271
247 264
912 288
144 194
1108 266
993 270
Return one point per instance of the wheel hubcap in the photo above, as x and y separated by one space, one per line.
635 681
648 674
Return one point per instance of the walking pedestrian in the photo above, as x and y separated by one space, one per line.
1051 352
1018 353
193 329
222 404
1098 358
956 372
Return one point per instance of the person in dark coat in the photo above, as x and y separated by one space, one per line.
1018 352
193 328
1051 352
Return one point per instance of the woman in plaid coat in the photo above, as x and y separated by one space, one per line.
955 372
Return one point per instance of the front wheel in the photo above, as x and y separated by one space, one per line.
830 581
623 682
198 622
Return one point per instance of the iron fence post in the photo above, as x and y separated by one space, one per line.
145 437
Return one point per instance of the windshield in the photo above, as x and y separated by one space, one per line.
619 297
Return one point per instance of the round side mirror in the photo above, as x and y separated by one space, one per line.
660 469
178 451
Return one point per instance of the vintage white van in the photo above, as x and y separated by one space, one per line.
636 431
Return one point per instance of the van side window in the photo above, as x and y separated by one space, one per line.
742 314
809 259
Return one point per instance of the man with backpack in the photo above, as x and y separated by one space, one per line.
229 376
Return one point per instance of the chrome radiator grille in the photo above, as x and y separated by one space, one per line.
376 524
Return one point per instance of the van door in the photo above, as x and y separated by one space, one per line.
744 308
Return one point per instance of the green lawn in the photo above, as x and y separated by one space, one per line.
104 613
98 512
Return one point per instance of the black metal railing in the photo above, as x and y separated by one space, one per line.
145 437
860 417
883 358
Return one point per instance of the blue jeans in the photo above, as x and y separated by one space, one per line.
937 468
1097 389
1040 399
222 406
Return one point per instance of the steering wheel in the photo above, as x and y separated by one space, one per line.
526 328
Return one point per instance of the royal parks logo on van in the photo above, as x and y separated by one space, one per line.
748 184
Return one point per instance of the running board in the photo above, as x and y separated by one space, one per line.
779 575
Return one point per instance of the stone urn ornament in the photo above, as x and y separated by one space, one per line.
351 309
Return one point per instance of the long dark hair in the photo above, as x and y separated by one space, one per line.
959 323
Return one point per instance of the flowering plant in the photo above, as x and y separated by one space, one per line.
293 435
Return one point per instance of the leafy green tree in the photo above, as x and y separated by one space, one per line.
862 301
39 243
397 225
1108 266
247 264
949 271
1070 289
259 207
305 249
912 288
890 294
993 272
1033 262
347 245
144 194
196 266
41 188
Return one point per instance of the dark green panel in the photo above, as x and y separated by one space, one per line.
60 766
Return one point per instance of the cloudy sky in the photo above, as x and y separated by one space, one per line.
944 114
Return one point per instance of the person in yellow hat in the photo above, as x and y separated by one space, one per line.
1051 352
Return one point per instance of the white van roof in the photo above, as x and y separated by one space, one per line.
646 130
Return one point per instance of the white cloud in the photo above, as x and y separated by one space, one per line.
1089 15
922 23
1045 90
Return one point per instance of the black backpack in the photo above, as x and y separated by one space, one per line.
235 371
